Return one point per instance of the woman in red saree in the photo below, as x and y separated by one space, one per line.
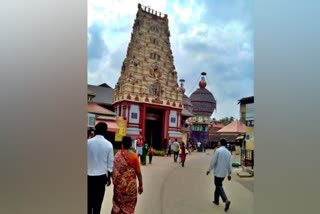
125 171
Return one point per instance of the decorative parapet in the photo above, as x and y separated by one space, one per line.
147 9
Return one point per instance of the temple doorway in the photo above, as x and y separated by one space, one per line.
154 129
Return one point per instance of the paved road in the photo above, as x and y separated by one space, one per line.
172 189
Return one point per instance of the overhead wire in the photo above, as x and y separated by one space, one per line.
190 90
212 91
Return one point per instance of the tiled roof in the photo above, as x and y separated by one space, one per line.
91 93
217 137
186 113
234 127
105 85
104 95
106 117
203 102
96 109
217 124
187 103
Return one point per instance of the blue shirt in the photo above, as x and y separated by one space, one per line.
221 162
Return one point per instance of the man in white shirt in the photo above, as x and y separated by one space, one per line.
100 166
199 146
175 148
221 164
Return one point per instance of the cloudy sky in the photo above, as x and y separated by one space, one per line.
212 36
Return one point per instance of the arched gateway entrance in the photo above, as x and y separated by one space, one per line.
154 124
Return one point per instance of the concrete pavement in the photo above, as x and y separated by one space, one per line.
172 189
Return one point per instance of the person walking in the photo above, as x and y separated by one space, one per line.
100 167
144 154
126 170
179 154
169 148
175 148
221 164
199 146
184 153
139 146
151 152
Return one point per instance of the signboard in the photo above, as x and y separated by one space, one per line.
91 120
122 129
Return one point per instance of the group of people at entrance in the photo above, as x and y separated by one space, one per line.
142 150
179 150
122 168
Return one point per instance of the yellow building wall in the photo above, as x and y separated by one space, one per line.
249 130
250 142
243 113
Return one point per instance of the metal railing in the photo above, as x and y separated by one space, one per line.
247 158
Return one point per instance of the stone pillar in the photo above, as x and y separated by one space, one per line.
129 115
167 119
125 112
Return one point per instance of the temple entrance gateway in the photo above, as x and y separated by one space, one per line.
154 129
147 93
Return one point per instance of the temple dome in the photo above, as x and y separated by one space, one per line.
187 103
202 100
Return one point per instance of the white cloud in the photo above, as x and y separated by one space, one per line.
111 10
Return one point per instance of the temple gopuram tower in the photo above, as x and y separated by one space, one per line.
147 94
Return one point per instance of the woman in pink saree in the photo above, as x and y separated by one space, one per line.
124 177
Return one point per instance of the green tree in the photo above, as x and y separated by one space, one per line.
227 120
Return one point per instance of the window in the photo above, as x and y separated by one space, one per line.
250 123
173 119
134 115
